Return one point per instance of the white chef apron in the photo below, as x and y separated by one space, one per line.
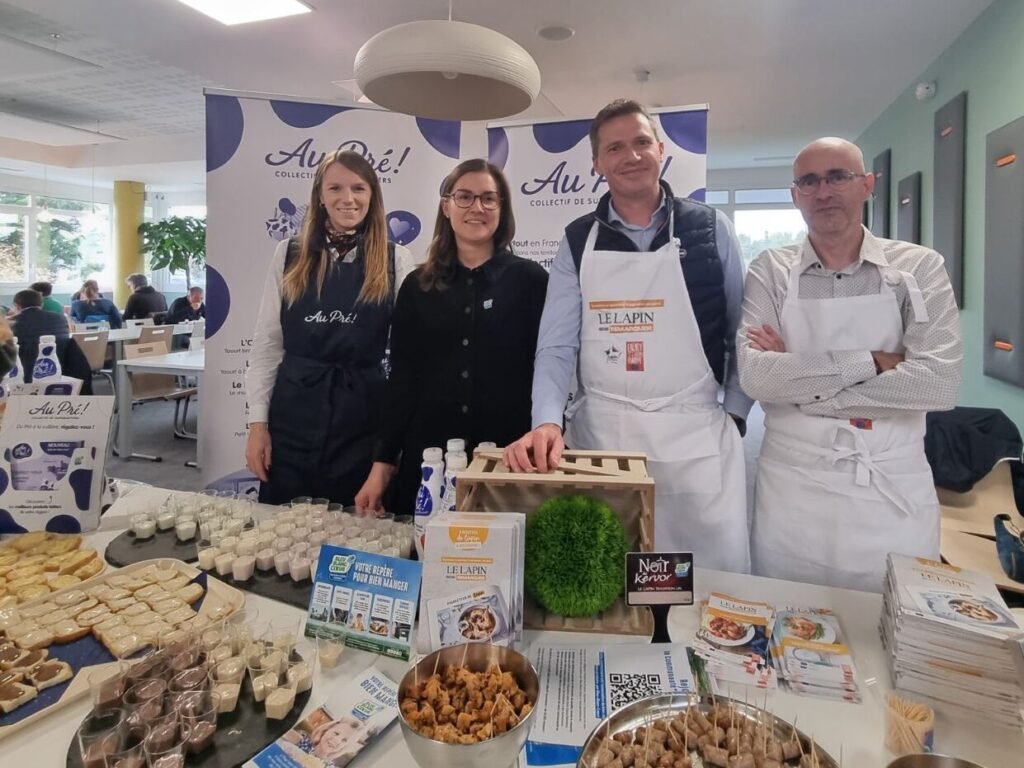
834 496
645 385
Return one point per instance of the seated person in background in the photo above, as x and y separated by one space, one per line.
49 304
190 307
6 347
91 307
32 321
145 299
91 284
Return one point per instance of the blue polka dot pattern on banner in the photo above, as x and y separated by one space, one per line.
442 135
218 301
299 114
224 127
403 227
688 130
560 137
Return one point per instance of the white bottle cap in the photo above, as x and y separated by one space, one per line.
47 340
486 445
456 444
433 455
457 460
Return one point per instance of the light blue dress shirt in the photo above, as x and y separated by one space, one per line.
558 342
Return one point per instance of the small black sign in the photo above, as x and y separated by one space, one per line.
659 578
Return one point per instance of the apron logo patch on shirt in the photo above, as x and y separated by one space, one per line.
626 316
634 355
865 424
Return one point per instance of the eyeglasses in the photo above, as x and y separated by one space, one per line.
837 178
463 198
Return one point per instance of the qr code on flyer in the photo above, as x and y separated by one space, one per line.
626 688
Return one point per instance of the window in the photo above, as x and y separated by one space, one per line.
175 281
716 197
13 267
196 211
762 196
758 229
62 240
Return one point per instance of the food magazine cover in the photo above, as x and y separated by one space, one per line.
734 639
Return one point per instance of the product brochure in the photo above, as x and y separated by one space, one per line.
580 686
472 580
952 638
734 640
367 598
53 450
335 732
810 654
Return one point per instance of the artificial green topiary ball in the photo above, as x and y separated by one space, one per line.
575 556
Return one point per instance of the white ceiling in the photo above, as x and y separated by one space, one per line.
776 73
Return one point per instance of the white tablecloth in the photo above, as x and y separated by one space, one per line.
856 729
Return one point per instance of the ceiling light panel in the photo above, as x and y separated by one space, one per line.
231 12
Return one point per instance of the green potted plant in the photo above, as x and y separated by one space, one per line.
177 243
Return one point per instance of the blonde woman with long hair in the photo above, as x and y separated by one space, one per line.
315 376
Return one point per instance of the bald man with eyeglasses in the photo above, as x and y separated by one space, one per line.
847 340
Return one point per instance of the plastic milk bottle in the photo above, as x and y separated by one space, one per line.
454 462
428 499
47 367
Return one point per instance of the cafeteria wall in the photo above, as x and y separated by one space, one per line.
986 61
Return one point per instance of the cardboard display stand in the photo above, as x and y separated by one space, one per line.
52 454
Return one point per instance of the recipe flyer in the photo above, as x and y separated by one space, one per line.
581 685
365 598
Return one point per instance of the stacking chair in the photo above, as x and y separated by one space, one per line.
94 346
156 333
138 322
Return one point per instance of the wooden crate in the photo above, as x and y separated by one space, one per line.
620 480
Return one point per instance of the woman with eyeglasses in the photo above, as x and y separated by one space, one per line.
463 338
315 378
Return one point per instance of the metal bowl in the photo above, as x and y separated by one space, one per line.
500 752
931 761
645 711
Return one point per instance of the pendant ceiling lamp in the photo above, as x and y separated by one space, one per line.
447 70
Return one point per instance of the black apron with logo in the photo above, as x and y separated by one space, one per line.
323 411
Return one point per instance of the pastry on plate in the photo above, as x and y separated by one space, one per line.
13 695
50 673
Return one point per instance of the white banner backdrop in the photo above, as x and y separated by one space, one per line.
550 170
261 155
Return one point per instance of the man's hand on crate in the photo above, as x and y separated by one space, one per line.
544 444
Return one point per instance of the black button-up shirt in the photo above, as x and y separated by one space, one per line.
461 364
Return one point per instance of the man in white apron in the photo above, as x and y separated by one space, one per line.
641 301
847 340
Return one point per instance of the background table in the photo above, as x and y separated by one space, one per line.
857 729
189 363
